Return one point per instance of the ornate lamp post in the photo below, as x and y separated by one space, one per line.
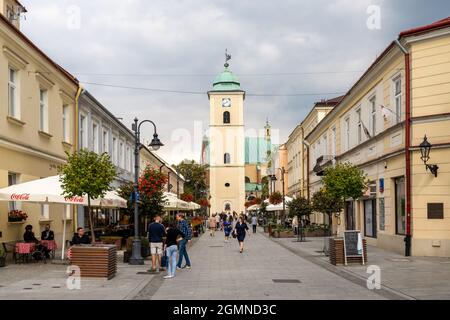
282 183
155 144
425 148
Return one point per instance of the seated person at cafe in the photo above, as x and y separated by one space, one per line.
47 234
29 237
80 237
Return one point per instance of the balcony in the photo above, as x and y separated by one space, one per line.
322 163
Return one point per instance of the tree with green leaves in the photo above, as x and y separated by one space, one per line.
299 207
195 176
327 203
87 174
345 181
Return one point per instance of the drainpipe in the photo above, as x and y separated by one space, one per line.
407 147
77 100
307 145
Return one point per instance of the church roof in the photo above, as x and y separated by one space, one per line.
226 81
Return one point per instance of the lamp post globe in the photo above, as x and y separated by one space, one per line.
425 148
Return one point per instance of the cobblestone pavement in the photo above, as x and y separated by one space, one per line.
220 272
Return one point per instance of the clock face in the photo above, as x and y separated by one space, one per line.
226 102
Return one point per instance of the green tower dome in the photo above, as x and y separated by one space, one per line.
226 81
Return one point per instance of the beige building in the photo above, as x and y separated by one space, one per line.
278 162
37 121
379 126
297 150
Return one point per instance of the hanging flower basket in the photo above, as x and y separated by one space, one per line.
17 216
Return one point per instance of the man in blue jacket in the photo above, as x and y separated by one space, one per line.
156 233
185 228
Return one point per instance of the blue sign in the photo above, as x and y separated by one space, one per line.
381 185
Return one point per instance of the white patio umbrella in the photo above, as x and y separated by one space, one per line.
278 207
254 207
173 203
194 206
49 190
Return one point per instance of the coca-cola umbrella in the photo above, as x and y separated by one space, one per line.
49 190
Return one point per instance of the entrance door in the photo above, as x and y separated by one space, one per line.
349 216
370 220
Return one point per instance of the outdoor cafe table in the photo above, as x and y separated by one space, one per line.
24 250
50 245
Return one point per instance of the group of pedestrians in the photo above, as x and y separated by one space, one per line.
232 226
166 244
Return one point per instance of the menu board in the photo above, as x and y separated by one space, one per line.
353 243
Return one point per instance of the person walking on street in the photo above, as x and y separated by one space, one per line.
173 233
227 228
240 230
254 223
295 225
184 227
156 233
212 225
218 221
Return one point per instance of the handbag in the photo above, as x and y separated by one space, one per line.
234 234
164 260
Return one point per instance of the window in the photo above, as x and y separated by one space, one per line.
43 110
347 133
12 94
227 185
13 179
358 115
381 213
83 132
66 123
114 151
68 211
226 158
398 99
45 212
333 142
105 141
325 144
373 102
121 155
128 159
226 117
400 212
247 180
95 137
227 207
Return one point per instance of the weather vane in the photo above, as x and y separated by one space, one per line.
227 58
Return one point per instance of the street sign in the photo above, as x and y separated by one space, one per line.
353 245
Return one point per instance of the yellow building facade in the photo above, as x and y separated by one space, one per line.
379 126
37 121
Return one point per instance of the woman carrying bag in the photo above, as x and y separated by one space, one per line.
173 236
239 232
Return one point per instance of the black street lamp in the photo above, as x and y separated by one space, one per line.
425 148
155 144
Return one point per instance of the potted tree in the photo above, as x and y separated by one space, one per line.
89 174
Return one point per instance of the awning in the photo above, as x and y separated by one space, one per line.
278 207
173 203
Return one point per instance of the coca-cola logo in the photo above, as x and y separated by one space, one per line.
20 197
75 199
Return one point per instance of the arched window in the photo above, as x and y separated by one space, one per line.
227 207
247 180
226 158
226 117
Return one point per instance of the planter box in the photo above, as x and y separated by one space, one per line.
316 233
98 261
2 262
117 241
266 229
282 234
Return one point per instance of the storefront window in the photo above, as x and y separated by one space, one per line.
349 216
400 212
381 213
370 218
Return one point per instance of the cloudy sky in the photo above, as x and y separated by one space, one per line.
287 54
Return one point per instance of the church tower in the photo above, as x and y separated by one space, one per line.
227 157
